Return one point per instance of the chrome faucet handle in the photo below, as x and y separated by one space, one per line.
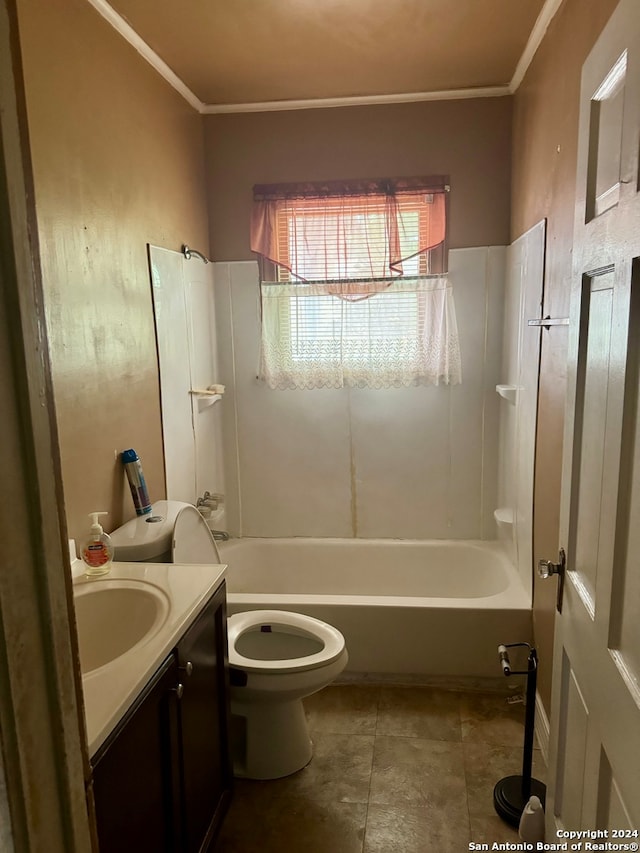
220 535
211 499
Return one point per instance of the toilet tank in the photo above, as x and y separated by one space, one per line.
173 531
147 538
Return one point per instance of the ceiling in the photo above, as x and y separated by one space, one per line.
236 53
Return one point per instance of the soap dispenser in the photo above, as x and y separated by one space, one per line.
97 552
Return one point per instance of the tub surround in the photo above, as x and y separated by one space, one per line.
400 463
518 390
110 690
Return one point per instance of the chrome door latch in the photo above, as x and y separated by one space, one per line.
546 568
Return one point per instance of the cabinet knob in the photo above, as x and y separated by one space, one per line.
187 668
179 690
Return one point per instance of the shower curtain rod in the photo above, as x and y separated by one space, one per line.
189 253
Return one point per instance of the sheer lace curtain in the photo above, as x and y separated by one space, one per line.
361 297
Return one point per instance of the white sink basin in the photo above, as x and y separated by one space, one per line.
114 617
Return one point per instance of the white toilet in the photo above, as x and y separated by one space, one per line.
276 658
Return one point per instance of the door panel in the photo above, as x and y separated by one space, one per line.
612 811
605 140
573 739
590 428
625 606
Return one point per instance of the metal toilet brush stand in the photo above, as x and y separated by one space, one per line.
512 793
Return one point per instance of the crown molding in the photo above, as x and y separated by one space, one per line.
129 34
547 13
358 100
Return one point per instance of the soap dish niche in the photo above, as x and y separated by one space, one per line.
206 397
504 518
205 402
509 392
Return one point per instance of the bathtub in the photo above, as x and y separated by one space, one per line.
425 610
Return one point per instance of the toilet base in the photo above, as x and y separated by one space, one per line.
269 740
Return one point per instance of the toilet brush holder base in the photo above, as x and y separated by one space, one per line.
510 798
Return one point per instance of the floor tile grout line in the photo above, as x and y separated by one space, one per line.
373 755
466 785
464 763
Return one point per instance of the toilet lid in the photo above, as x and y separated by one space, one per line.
193 542
283 621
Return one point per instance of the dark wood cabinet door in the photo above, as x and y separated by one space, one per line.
204 714
135 778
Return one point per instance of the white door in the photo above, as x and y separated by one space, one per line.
594 776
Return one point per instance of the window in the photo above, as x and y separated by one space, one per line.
353 285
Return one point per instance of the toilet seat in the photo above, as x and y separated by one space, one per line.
287 622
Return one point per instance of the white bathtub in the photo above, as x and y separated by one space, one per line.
433 610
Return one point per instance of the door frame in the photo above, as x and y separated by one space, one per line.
45 756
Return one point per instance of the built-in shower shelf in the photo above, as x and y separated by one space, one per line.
503 516
509 392
205 398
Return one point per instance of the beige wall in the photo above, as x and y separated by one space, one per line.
118 161
469 140
544 169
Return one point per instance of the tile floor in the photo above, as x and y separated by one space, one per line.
406 769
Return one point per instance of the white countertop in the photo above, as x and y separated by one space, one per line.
111 689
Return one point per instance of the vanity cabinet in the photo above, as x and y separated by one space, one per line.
207 770
162 780
135 790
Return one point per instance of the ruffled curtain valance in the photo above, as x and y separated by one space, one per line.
344 230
